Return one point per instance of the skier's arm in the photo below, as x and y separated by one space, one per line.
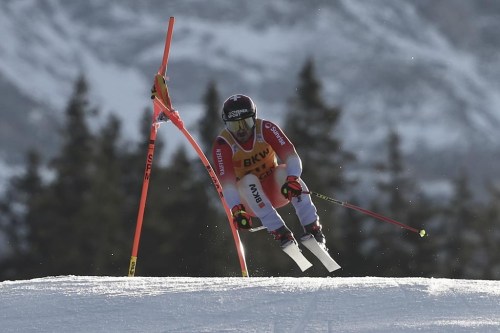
223 161
286 152
223 165
283 147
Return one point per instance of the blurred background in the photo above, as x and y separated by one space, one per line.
392 105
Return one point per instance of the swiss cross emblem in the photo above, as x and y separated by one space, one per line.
235 97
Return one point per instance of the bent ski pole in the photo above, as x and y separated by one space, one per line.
421 232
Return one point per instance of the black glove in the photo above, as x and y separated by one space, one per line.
291 188
241 218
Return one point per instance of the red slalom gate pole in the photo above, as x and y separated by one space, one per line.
166 106
163 104
378 216
150 154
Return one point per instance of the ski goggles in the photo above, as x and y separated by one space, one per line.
242 124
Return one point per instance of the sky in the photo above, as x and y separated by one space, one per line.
185 304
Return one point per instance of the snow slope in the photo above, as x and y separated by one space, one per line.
180 304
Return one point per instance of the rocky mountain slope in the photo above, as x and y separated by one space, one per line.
428 69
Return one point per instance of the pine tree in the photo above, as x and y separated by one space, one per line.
82 221
393 250
310 125
423 214
489 229
53 231
460 234
210 124
62 234
73 166
17 208
103 211
349 236
463 214
176 223
397 185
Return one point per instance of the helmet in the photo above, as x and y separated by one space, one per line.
239 113
238 107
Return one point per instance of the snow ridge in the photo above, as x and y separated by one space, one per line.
183 304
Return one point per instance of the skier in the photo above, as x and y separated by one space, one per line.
245 156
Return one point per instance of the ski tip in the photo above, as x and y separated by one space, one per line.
333 268
306 267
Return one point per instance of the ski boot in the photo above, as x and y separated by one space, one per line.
314 241
314 230
284 236
290 246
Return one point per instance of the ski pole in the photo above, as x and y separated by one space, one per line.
380 217
421 232
149 159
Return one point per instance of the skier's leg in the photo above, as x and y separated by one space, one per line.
256 201
308 216
304 207
272 186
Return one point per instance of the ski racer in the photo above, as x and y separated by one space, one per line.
245 155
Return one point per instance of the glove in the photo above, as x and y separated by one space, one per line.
241 218
291 188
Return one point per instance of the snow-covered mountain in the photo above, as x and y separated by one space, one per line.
429 69
180 304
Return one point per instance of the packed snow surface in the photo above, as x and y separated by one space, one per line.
180 304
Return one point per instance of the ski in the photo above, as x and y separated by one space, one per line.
313 246
294 252
320 252
257 229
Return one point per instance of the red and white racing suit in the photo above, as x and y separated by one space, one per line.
250 174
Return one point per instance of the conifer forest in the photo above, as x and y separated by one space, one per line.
75 213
